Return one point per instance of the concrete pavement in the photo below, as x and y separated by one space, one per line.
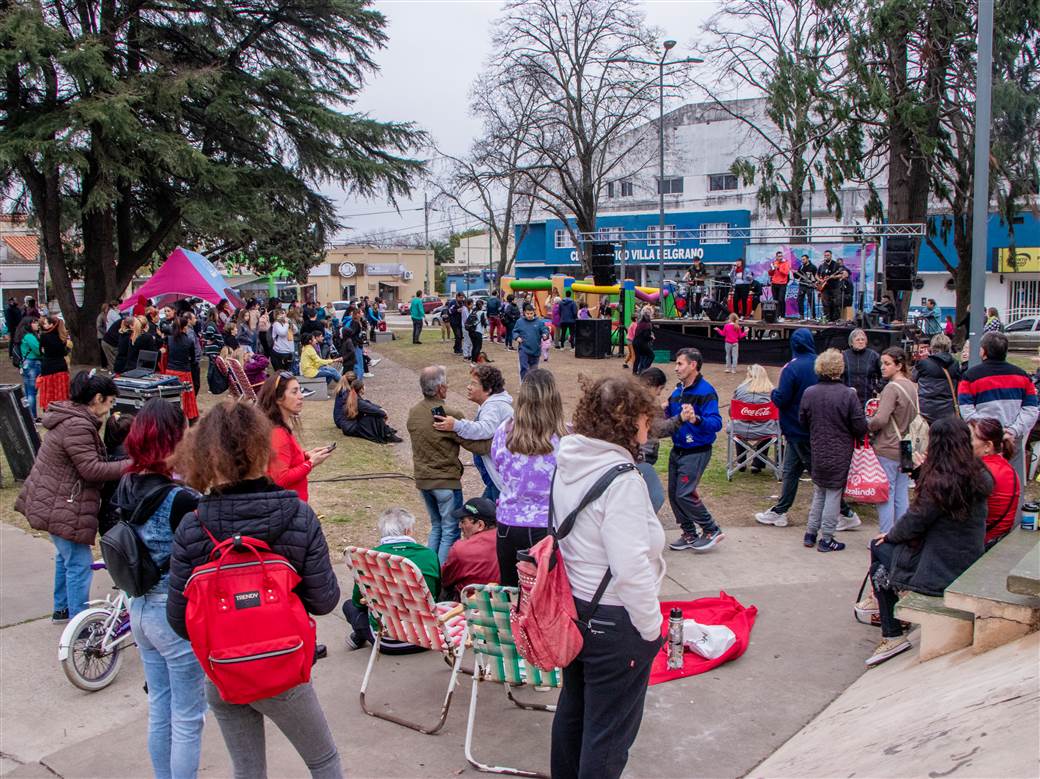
805 650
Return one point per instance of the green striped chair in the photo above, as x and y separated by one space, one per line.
497 659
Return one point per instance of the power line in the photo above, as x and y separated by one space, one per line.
380 213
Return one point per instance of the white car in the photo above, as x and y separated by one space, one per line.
1023 333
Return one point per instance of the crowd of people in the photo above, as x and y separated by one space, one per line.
193 479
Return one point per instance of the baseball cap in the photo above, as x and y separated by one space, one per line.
478 508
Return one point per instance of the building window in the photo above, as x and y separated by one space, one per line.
722 182
626 189
610 189
670 186
564 240
611 234
714 232
652 235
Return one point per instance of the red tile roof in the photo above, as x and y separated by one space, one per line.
25 247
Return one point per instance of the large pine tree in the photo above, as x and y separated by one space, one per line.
131 125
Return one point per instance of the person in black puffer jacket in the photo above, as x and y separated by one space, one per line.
225 456
862 367
937 375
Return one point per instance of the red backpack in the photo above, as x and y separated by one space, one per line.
249 630
545 620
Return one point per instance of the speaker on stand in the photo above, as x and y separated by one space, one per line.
602 260
899 263
592 339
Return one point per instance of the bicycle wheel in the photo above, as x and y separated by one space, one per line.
85 663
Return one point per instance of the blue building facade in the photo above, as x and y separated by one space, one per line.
1027 234
546 247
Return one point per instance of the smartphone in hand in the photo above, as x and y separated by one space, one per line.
330 447
438 411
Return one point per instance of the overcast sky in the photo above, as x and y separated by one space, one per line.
435 50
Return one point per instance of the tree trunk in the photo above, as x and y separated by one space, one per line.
962 245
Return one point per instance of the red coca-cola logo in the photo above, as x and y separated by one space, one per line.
756 413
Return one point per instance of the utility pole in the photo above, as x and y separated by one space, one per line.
491 273
668 45
980 214
426 224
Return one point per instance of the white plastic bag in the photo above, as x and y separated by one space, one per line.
709 641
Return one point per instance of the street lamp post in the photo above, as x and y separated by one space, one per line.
659 64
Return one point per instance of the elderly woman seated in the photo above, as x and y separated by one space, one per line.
395 531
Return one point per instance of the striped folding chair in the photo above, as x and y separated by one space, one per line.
247 390
396 593
497 659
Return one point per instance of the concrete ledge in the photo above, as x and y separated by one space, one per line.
1024 578
982 589
943 630
318 385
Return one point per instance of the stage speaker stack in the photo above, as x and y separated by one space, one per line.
714 310
899 263
769 311
602 257
592 339
17 431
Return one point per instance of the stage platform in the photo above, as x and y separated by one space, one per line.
767 343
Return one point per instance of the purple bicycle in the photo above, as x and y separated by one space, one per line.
90 649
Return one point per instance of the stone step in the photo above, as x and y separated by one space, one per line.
943 629
1024 578
1000 615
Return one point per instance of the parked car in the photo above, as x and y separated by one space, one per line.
1023 333
430 302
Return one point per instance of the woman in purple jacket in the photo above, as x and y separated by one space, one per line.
523 451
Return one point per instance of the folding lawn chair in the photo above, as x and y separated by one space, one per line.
233 388
396 593
497 659
752 446
246 388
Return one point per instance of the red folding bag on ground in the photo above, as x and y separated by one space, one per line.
249 630
723 610
867 482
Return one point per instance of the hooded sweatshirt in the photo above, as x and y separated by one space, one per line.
619 530
795 378
491 414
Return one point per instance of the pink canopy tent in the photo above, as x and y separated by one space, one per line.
185 274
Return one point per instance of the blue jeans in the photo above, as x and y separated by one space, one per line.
330 374
491 492
527 361
359 365
176 694
30 372
653 484
444 528
898 494
72 575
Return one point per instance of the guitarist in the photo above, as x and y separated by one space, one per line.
832 277
806 276
695 278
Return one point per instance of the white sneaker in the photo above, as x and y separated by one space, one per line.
369 375
375 361
848 523
771 518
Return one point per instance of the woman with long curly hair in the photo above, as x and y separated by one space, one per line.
613 557
941 534
523 451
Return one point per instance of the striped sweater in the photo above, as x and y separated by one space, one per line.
1000 390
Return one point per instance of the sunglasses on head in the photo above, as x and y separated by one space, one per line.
282 375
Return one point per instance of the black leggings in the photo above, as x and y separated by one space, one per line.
281 361
513 539
882 555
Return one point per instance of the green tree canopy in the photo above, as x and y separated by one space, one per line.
133 125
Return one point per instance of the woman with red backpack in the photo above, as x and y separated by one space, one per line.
618 541
225 457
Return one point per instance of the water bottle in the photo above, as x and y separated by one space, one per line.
675 639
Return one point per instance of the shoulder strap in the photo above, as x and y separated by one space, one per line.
598 489
1011 502
135 516
953 392
916 407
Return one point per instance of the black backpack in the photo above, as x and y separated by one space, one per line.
215 379
128 560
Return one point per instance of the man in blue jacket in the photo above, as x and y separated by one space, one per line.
697 404
796 377
568 318
528 333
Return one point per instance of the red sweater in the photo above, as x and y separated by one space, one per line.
471 560
1004 498
289 466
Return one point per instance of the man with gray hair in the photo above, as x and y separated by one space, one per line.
435 459
395 530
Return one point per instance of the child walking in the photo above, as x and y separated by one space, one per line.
834 416
547 344
732 332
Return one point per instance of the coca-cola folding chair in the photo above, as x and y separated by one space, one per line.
746 446
497 659
396 594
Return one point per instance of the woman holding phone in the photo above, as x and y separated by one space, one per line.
281 401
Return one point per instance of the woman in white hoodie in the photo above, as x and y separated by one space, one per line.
616 535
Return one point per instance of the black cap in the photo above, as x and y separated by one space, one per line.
478 508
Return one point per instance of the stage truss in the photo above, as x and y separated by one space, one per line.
805 234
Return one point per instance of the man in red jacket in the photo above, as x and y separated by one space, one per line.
472 559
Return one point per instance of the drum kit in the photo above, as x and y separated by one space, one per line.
713 294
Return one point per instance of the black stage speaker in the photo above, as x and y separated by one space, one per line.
714 310
18 434
602 257
592 338
899 263
769 311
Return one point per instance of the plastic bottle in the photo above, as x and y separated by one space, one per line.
675 639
